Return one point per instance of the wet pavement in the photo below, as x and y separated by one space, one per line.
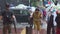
21 28
23 31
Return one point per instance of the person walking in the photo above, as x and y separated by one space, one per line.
37 20
7 16
50 24
58 23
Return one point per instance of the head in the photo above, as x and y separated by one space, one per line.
58 12
7 6
37 10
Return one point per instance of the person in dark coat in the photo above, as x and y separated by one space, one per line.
58 23
50 24
7 17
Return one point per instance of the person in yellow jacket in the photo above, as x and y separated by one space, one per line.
37 15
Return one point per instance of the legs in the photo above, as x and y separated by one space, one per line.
9 29
5 29
37 27
53 30
48 29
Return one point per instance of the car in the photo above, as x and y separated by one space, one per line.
22 15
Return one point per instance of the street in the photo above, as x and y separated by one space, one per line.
21 28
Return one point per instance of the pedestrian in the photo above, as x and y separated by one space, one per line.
37 20
50 24
29 29
7 17
44 14
58 23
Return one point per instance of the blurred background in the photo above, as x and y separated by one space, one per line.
22 9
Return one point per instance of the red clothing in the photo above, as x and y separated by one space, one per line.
49 2
58 31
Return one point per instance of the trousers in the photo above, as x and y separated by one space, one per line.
6 28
